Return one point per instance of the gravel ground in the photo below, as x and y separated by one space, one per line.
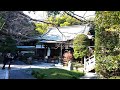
20 74
17 62
89 75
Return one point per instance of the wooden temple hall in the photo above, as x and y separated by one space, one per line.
55 41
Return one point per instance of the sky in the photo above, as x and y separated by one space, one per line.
86 14
42 15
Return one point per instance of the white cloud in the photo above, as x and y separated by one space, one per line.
40 15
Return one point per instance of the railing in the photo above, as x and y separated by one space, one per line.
89 63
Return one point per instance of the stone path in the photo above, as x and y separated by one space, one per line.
89 75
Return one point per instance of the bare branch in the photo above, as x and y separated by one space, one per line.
43 22
84 21
13 34
2 26
74 16
84 14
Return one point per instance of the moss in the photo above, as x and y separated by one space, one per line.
55 73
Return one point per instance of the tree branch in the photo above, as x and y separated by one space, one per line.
84 21
13 34
41 21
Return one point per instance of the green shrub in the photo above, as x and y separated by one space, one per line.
8 45
108 66
27 55
25 58
55 73
115 77
1 59
107 43
77 65
80 46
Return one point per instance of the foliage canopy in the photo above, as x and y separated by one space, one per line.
80 46
63 20
107 33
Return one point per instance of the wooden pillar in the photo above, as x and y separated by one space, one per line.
35 51
60 53
45 52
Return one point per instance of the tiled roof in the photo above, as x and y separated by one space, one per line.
66 33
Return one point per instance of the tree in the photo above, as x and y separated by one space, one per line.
8 45
67 57
53 13
41 27
107 50
63 20
18 25
60 21
80 46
